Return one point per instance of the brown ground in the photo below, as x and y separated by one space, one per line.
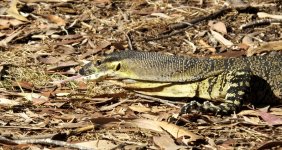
52 38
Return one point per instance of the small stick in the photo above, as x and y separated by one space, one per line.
7 141
43 141
181 27
73 78
44 136
129 41
259 22
110 107
167 102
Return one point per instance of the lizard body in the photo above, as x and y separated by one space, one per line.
229 81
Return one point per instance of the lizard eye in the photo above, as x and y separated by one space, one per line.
118 67
98 62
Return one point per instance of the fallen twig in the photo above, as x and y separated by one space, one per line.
110 107
73 78
129 41
7 141
43 141
40 136
181 27
167 102
259 22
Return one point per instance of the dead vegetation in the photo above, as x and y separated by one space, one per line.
43 42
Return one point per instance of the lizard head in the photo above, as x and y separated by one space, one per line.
113 66
98 66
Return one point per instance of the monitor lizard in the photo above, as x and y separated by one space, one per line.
225 83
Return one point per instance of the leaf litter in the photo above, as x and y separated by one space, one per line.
44 43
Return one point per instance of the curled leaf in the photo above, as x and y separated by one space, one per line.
13 11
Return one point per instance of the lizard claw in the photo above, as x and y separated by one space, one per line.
190 107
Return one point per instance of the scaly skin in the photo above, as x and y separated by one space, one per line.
229 81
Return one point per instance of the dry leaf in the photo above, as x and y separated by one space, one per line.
34 147
177 132
62 94
149 116
24 84
266 15
276 111
47 1
111 107
270 119
238 4
243 47
56 19
33 97
166 142
63 65
4 42
265 47
270 145
13 11
248 40
218 26
162 15
174 130
103 44
98 144
70 125
50 59
102 1
156 109
7 102
252 120
139 108
58 105
6 23
95 48
221 39
73 78
207 46
147 124
248 113
25 116
227 145
2 34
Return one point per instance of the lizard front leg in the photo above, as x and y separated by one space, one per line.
236 84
